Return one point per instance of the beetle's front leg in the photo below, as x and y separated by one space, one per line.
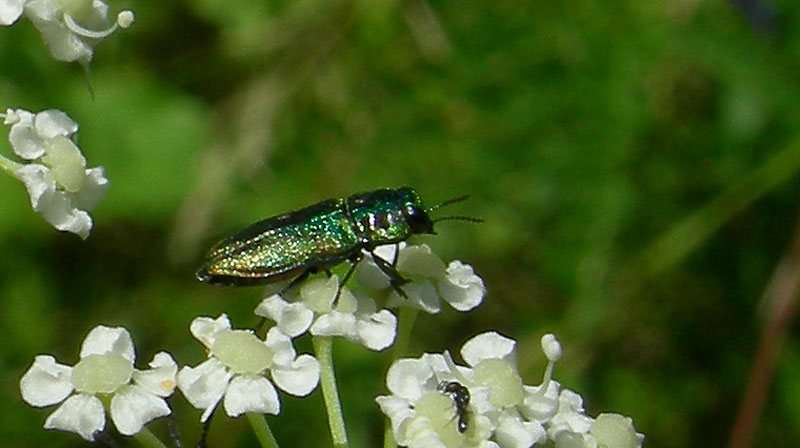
395 279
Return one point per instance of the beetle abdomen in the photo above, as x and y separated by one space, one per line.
279 247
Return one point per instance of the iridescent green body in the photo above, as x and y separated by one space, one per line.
317 237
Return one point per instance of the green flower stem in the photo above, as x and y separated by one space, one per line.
259 424
9 166
323 347
407 318
148 439
388 436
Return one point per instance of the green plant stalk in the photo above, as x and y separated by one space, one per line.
259 424
675 244
323 347
9 166
388 436
407 318
148 439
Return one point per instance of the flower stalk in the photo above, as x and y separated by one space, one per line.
148 440
260 426
323 347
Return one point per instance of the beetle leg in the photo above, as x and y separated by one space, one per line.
395 279
353 263
297 280
396 255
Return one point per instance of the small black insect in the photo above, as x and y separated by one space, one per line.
321 236
460 395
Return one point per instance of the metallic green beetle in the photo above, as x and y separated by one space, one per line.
321 236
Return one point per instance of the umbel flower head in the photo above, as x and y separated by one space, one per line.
500 411
430 280
242 368
104 378
69 27
60 186
310 307
356 315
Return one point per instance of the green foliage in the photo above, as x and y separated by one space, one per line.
635 163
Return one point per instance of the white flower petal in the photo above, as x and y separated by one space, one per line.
248 393
514 433
132 407
204 385
570 417
420 294
271 307
461 288
396 408
160 379
46 382
64 44
52 123
299 380
420 261
24 140
489 345
283 353
37 181
615 430
418 432
574 440
377 331
10 10
407 377
103 340
335 324
57 209
295 319
205 329
81 414
94 188
541 406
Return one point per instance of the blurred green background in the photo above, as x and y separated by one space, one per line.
635 164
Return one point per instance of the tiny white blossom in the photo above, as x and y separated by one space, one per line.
313 306
69 27
59 185
10 10
106 369
430 280
241 369
501 411
615 430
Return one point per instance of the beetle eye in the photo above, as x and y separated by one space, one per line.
384 220
418 220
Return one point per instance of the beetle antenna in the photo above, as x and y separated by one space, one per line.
459 218
448 202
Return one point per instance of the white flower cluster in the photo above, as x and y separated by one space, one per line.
500 410
60 186
240 372
239 368
106 370
69 27
355 315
